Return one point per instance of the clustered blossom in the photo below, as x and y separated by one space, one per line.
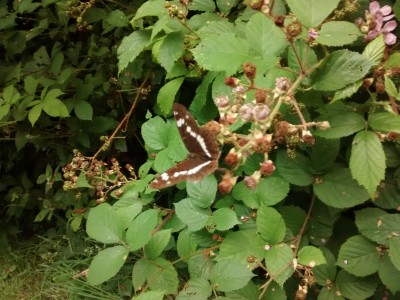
378 22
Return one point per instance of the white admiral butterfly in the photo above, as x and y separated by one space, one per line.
203 152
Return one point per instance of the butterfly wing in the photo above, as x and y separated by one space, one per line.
193 168
196 139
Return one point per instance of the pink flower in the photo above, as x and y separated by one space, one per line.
376 18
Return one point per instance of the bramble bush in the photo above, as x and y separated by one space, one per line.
305 202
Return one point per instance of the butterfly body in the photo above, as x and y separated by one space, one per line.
203 152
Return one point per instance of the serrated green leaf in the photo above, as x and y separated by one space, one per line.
192 215
324 153
202 5
264 36
312 12
384 121
106 264
278 260
326 273
170 49
394 251
295 170
216 27
150 295
5 109
293 217
131 46
310 256
329 293
103 224
195 288
229 276
338 189
390 87
200 266
150 8
389 274
347 92
228 56
300 51
277 187
338 33
159 273
270 225
30 84
126 214
342 124
157 243
224 219
83 110
241 192
185 245
117 18
355 288
369 223
155 134
367 160
374 50
358 256
203 192
340 69
239 246
140 230
167 93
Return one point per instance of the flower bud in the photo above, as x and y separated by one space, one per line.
324 125
246 112
282 84
267 168
252 181
261 112
232 158
222 101
260 96
307 137
231 81
213 127
249 71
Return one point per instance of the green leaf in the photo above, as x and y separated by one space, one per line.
339 69
389 274
157 243
277 187
358 256
229 276
353 287
310 256
131 46
193 216
35 113
167 93
338 33
369 223
170 50
347 92
106 264
5 109
140 230
394 251
324 153
82 182
384 121
293 217
390 87
228 56
117 18
159 273
375 49
339 189
224 219
150 8
330 293
203 192
150 295
388 196
103 224
342 124
185 245
195 288
295 170
270 225
126 213
83 110
300 52
312 12
53 106
200 266
367 161
155 133
202 5
326 273
239 246
30 84
264 36
278 260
